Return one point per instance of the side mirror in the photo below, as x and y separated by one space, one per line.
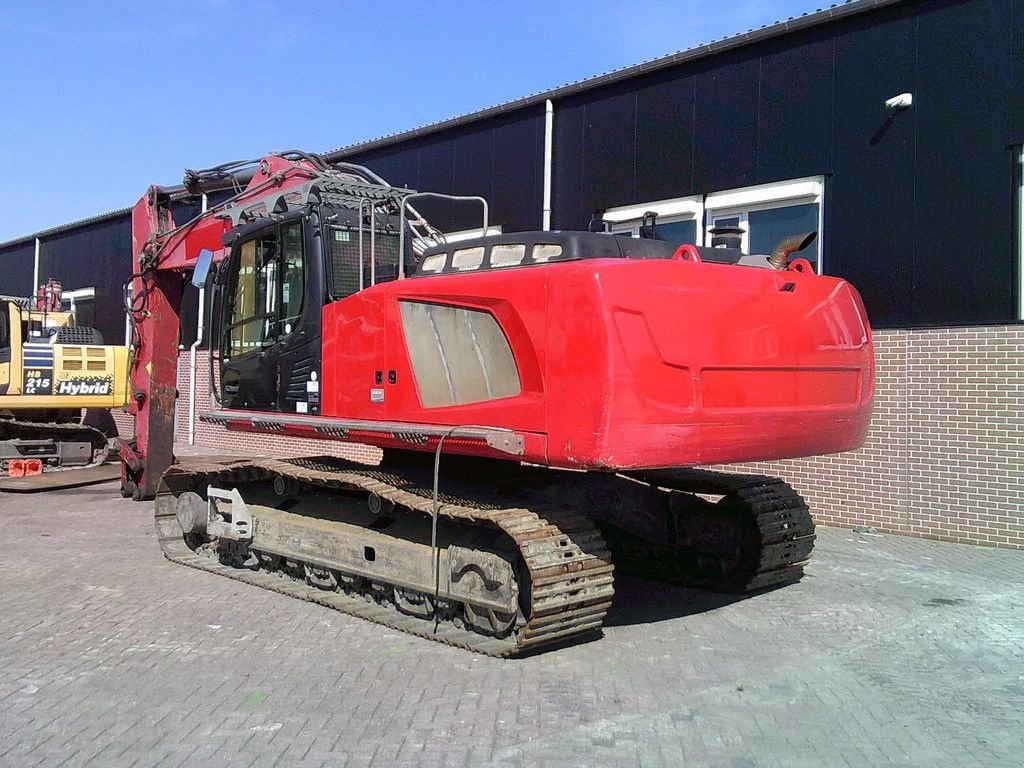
202 268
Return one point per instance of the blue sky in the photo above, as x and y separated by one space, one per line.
101 99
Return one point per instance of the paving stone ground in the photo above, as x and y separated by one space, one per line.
891 652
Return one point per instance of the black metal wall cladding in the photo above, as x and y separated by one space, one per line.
869 236
918 203
501 159
964 257
98 256
1016 96
17 265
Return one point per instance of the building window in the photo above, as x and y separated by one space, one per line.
82 305
675 221
768 213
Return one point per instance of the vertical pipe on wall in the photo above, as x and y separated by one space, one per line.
549 131
35 269
200 328
127 322
1020 235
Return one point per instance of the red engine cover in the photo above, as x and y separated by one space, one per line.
628 363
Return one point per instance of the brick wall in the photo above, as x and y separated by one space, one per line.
945 455
114 422
212 436
944 458
125 423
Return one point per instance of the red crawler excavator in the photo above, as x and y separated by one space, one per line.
542 400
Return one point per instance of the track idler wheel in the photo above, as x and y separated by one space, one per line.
191 513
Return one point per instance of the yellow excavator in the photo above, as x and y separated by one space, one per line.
50 370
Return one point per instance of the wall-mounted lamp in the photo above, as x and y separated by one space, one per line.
896 103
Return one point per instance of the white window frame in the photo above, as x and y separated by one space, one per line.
705 209
762 197
80 294
627 219
469 234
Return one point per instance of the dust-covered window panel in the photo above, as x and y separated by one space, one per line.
465 259
434 263
543 252
508 255
459 355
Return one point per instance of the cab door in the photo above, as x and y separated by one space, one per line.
297 350
270 349
250 326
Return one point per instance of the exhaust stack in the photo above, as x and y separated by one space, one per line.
780 256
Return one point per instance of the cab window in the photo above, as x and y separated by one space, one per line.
293 276
268 291
5 326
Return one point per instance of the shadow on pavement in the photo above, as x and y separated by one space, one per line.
639 601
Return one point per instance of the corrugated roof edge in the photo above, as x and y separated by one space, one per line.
805 21
65 227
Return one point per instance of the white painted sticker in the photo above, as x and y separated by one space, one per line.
302 407
312 386
377 395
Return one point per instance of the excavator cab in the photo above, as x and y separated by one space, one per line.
272 288
268 312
